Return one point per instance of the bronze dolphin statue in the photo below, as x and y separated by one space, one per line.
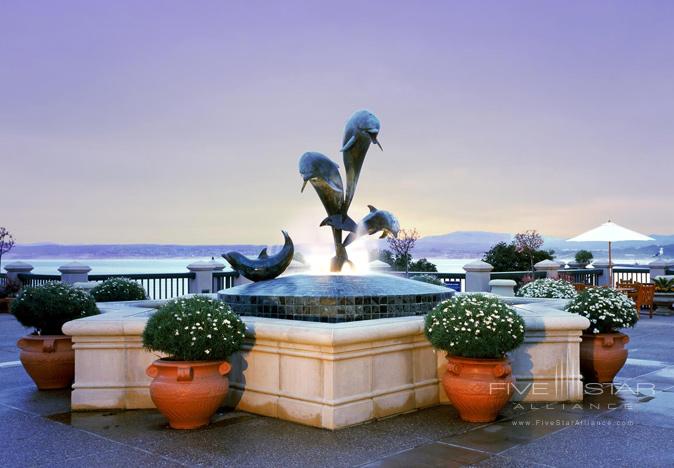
375 221
361 130
265 267
323 173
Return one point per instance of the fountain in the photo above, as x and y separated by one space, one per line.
350 348
336 297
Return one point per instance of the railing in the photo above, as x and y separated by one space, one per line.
635 274
223 279
30 279
582 275
517 275
157 285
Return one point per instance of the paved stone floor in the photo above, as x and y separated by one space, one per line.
626 428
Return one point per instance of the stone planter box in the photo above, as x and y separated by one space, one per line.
663 303
328 375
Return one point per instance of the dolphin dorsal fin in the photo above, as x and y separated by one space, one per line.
372 208
347 146
263 253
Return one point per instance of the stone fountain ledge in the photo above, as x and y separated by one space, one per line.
328 375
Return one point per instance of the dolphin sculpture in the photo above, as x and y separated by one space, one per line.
324 176
375 221
361 130
265 266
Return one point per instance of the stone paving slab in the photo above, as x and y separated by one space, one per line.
629 426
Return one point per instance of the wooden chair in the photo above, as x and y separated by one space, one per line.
581 286
644 298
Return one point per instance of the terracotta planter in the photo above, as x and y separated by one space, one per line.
48 359
188 392
5 304
602 355
478 388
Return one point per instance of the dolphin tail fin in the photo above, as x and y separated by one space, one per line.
350 238
339 221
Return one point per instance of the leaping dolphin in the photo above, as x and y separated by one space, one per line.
375 221
323 173
265 267
361 130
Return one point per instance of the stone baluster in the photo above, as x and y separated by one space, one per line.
478 274
202 283
14 269
658 268
550 267
74 272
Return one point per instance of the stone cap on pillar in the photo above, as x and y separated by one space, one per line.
74 268
478 266
202 266
18 267
600 264
217 266
503 282
546 265
660 263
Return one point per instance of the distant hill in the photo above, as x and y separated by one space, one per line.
458 244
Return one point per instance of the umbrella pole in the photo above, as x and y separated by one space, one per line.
610 266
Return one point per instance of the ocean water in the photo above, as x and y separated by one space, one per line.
105 266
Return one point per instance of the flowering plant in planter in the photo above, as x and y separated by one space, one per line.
602 350
606 309
118 289
476 331
197 334
47 354
548 288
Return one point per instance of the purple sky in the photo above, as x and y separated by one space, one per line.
176 121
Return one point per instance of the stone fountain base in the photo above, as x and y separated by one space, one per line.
328 375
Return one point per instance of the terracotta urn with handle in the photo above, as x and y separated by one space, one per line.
188 393
602 355
48 359
478 388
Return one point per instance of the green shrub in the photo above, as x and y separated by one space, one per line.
548 288
427 279
608 310
584 256
474 326
505 257
47 307
118 289
664 284
194 329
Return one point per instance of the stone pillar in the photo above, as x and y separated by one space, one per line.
604 279
658 268
14 269
478 274
74 272
550 267
202 283
503 287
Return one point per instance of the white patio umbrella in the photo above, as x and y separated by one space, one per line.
610 232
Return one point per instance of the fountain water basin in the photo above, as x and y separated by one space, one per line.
334 298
